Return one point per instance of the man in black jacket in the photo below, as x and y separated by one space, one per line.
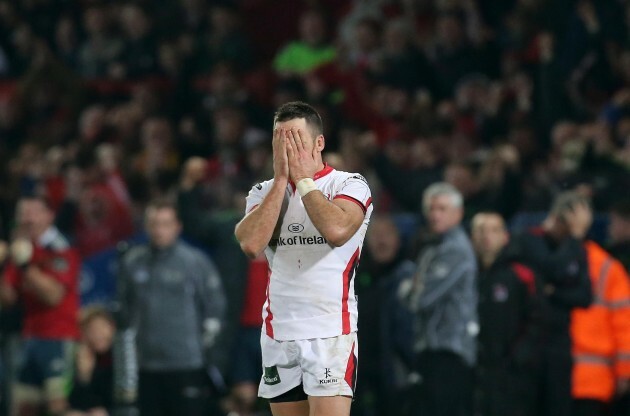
555 252
509 328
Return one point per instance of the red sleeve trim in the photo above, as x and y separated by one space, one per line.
252 208
356 201
525 275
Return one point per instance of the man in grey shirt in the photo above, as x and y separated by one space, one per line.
443 296
171 296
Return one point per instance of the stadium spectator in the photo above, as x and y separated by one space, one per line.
245 281
310 50
10 328
101 48
600 336
385 327
509 335
92 388
555 252
211 225
225 42
43 273
138 56
400 63
171 295
96 210
452 56
443 296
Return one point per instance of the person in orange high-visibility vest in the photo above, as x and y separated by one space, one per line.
601 336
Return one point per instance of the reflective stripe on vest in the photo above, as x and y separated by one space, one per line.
601 282
623 356
592 359
618 304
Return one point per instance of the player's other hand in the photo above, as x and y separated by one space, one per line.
280 159
301 152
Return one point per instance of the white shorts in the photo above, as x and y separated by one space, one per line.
325 367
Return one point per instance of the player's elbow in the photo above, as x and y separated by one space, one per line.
251 250
337 237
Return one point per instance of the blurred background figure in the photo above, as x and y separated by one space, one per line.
601 337
245 280
42 274
92 387
171 295
386 327
509 336
311 49
555 252
442 294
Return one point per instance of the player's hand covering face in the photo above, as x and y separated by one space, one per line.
280 160
302 154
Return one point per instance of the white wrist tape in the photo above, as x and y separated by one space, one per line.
305 186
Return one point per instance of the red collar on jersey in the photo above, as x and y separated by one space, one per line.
325 171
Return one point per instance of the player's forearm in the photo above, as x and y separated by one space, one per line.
333 223
44 287
255 230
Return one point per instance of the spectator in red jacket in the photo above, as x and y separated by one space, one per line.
43 274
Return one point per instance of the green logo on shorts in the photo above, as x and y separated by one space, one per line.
271 375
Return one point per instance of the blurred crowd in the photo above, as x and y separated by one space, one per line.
106 106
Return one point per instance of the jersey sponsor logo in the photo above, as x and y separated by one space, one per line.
297 240
328 378
295 228
271 376
258 186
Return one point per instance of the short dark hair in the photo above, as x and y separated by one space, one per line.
300 109
489 213
164 203
38 198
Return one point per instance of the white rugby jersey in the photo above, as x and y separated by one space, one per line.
311 288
